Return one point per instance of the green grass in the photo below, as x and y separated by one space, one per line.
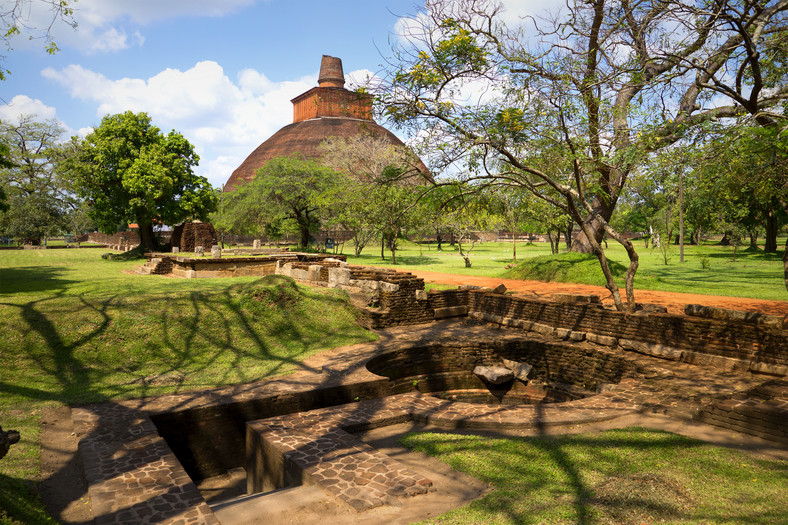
76 328
754 274
621 476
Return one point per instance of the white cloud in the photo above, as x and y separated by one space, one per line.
111 25
224 119
24 105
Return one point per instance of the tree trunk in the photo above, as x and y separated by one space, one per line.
147 239
568 234
785 264
771 233
754 238
383 246
581 243
514 249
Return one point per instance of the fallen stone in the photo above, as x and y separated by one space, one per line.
726 314
497 375
649 308
575 298
520 370
500 289
451 311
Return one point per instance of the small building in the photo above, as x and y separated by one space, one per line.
328 110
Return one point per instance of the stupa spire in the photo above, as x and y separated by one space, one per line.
331 74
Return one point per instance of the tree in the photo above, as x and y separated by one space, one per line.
131 172
398 207
366 202
286 193
15 20
601 88
37 198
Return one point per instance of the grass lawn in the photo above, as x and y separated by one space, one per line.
707 269
76 328
620 476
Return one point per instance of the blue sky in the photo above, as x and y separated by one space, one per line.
220 72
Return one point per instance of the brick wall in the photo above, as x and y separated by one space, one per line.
735 340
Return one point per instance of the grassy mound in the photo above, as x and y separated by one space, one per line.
569 267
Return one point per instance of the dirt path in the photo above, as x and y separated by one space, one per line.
674 301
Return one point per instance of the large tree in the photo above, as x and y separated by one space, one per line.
37 198
602 85
286 193
131 172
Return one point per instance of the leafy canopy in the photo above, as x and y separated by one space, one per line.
131 171
287 194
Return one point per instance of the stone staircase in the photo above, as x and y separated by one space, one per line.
156 266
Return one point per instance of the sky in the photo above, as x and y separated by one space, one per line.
221 72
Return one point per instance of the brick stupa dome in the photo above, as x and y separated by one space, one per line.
328 110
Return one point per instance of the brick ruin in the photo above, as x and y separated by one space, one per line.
190 235
722 340
714 339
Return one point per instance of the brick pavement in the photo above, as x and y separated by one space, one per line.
135 478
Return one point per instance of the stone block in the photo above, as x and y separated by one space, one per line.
655 350
520 370
216 252
714 361
497 375
388 287
603 340
299 274
175 249
726 314
768 368
338 276
575 298
199 251
450 311
313 273
543 329
421 295
256 244
500 289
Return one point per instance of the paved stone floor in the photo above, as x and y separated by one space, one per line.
134 477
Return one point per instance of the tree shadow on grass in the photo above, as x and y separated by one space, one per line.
31 279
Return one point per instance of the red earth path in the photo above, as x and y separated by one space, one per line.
674 301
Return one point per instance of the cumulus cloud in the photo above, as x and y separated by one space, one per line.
24 105
224 118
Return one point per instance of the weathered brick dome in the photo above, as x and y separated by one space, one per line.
328 110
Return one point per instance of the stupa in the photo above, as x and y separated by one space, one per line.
328 110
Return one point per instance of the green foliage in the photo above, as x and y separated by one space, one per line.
15 20
631 475
287 194
35 200
131 172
